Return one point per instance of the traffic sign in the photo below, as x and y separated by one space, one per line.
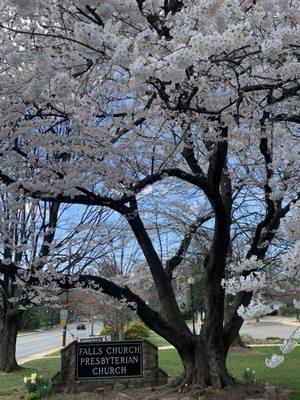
63 314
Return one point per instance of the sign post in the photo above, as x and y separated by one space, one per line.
63 324
106 360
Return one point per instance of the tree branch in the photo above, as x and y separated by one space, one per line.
174 261
217 161
153 319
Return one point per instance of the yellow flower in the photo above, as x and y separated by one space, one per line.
26 379
33 377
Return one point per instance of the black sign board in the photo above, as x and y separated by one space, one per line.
109 360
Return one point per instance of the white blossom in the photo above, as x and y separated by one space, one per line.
288 346
257 309
274 361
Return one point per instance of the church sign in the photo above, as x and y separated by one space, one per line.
105 360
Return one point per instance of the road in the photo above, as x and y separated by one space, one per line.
262 330
36 342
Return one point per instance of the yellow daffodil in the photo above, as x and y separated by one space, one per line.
33 377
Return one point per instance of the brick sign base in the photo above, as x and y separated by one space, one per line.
65 380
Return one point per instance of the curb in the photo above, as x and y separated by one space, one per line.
37 355
250 345
291 323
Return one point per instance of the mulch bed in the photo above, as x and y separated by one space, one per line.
166 393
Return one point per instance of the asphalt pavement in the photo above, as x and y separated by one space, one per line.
262 330
32 343
37 342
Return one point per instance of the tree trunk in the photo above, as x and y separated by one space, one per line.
121 332
238 342
204 364
9 327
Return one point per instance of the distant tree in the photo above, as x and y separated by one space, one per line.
32 319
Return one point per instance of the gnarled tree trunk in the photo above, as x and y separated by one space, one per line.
204 364
9 327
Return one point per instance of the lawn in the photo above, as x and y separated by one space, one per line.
157 340
287 375
12 386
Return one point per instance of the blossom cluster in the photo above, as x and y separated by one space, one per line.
287 346
274 361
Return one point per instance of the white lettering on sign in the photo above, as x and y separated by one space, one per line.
119 359
90 352
109 371
109 360
123 350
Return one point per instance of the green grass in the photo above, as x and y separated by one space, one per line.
286 375
157 340
169 361
12 386
280 340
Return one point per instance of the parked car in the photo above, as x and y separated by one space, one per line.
81 327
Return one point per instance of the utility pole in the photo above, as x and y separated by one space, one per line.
191 282
92 326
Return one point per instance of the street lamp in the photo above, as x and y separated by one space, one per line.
191 282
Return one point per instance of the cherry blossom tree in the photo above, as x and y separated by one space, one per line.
23 241
104 102
36 236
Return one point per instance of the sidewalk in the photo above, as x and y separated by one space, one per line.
290 321
37 355
250 345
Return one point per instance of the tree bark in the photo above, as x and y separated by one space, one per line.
204 363
9 327
121 330
162 281
238 342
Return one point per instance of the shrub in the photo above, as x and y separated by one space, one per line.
288 311
136 330
110 330
274 338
